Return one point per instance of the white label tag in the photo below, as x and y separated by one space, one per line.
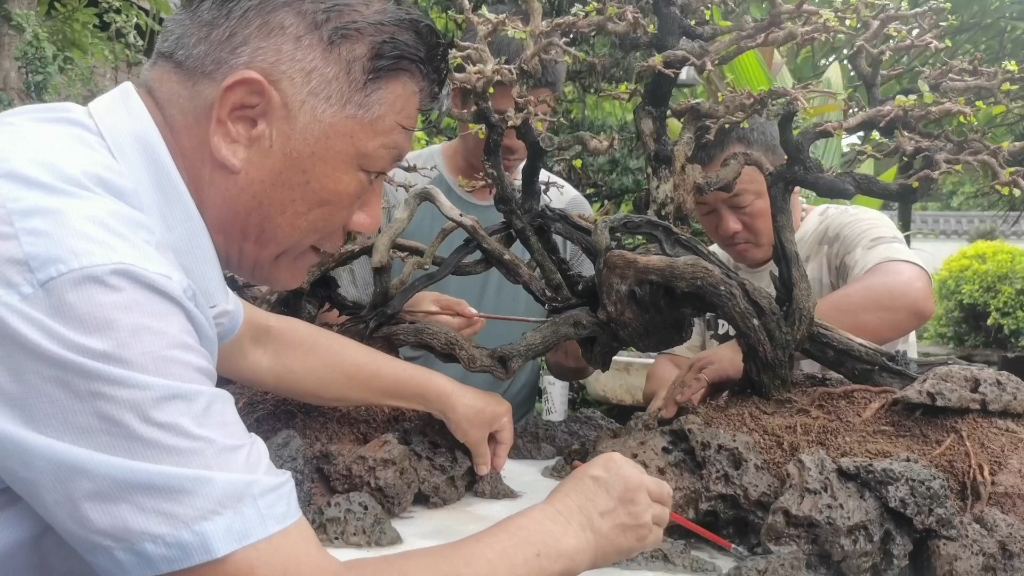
555 399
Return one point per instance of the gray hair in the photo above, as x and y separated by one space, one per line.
329 53
759 135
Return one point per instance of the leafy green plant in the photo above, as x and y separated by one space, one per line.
979 294
73 51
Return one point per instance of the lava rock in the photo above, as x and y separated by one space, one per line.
911 487
540 439
493 487
664 453
738 489
841 526
788 562
354 519
288 452
444 475
967 388
990 545
673 557
383 468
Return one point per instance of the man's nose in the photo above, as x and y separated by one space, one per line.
367 217
729 224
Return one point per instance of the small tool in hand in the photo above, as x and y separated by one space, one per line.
478 315
737 550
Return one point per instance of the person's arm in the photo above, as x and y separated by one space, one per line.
114 432
889 301
885 293
530 543
606 511
298 360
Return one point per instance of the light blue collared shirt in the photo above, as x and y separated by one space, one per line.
118 455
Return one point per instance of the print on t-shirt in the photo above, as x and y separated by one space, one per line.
716 331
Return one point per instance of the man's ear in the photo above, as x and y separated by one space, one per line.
460 99
245 116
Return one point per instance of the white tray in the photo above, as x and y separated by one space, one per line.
421 527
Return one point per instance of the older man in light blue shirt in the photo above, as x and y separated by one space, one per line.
250 145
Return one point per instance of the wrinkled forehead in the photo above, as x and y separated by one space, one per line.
749 186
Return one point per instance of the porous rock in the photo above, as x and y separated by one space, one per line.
673 557
967 388
664 453
493 487
443 467
288 452
842 527
908 486
383 469
990 545
540 439
738 489
354 519
781 562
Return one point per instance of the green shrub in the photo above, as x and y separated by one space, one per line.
979 293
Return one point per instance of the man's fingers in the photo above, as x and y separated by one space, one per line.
481 451
660 516
658 401
654 540
473 327
501 443
659 491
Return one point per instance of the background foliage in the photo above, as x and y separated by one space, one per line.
75 49
980 298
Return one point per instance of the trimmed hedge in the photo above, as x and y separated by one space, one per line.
979 296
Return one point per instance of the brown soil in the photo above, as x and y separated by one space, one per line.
799 421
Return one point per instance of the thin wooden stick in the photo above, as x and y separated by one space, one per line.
479 315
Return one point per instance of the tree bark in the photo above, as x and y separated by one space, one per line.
10 79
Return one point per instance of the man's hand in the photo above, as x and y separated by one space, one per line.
616 509
711 372
483 422
466 323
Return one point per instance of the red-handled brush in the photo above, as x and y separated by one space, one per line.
708 535
742 553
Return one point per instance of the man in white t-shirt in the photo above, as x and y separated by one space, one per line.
863 275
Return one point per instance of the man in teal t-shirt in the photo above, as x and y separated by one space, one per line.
451 167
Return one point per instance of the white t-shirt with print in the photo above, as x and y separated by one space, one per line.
837 244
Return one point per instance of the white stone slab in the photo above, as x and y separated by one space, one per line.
421 527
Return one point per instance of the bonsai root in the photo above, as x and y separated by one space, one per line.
819 392
944 445
875 407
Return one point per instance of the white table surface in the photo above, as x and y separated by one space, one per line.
421 527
